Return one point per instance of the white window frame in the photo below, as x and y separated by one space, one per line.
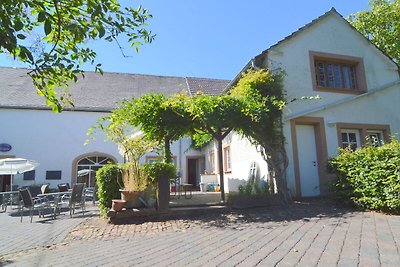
227 159
376 135
211 158
346 144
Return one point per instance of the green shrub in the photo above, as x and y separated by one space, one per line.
108 179
369 177
159 170
254 188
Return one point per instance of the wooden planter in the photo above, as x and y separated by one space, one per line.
118 204
132 198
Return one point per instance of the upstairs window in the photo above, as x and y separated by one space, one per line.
336 73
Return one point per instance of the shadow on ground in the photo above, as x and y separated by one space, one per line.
299 210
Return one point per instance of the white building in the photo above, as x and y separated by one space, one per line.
358 85
359 89
57 141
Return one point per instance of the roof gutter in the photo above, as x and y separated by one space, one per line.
342 101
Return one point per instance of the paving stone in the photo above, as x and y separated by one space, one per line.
303 234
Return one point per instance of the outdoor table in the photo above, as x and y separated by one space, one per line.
185 188
57 199
7 195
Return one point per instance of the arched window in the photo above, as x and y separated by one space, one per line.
87 165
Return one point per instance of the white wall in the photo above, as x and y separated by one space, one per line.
243 153
378 108
54 140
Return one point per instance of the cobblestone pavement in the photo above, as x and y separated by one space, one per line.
304 234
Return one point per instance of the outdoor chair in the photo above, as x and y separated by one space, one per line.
32 204
63 187
44 188
11 199
77 198
90 193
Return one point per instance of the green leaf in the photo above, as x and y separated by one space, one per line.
41 16
101 30
21 36
47 26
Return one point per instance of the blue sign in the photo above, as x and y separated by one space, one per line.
5 147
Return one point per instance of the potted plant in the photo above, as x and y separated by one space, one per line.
135 180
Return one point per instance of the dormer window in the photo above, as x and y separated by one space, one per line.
336 73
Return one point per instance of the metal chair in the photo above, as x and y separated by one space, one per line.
63 187
27 202
77 198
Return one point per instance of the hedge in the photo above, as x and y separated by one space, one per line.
369 177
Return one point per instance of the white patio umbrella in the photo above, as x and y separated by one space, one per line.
12 166
86 172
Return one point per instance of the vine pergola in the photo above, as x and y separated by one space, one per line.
252 108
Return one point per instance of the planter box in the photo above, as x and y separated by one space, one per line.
251 201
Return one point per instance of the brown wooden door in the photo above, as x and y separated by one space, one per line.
192 171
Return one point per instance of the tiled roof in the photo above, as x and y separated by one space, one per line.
98 92
207 86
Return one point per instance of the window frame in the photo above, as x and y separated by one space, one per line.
363 130
356 62
54 172
212 162
227 159
350 143
30 175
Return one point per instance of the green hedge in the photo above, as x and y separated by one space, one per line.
108 179
369 177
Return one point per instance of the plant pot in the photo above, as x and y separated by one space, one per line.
132 198
118 204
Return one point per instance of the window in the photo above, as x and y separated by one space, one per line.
87 167
336 73
227 159
356 135
350 138
375 138
29 175
211 157
53 175
254 170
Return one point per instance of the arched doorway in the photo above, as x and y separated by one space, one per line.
85 167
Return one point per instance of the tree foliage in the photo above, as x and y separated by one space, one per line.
67 26
381 25
161 118
262 124
253 108
215 117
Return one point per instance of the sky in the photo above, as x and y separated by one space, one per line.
210 38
